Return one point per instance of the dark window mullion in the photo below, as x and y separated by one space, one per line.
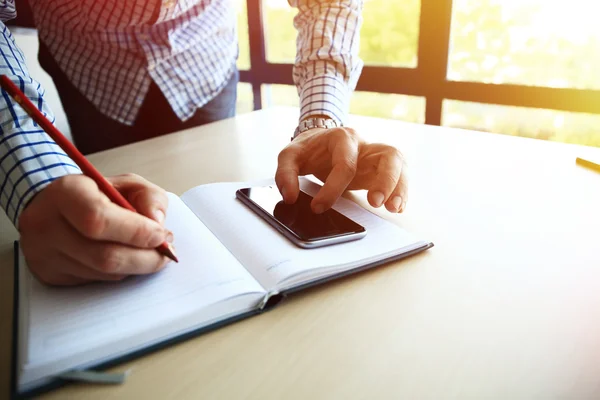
559 99
257 96
258 61
434 43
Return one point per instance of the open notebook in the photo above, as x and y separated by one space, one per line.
232 265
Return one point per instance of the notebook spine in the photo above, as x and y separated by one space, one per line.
272 298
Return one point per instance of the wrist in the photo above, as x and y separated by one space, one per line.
313 122
324 116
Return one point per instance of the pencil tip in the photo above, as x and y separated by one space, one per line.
169 251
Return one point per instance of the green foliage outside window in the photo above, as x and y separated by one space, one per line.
530 42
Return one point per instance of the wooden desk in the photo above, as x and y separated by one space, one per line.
507 305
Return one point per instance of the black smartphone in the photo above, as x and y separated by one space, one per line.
297 222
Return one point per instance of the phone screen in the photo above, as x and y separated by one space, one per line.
299 218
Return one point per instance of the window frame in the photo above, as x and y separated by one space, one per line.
428 79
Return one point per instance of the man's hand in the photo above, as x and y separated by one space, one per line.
343 161
71 233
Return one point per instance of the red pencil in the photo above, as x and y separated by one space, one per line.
88 169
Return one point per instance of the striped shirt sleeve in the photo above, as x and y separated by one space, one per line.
29 159
327 65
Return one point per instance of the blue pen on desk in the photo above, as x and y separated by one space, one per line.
588 164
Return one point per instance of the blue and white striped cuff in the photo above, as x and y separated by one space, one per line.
325 95
28 168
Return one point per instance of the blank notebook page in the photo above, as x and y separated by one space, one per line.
64 321
271 257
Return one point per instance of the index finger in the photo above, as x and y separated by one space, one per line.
94 216
344 160
287 173
147 198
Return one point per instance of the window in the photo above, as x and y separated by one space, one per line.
280 95
280 34
390 32
243 38
526 42
520 67
543 124
244 98
392 106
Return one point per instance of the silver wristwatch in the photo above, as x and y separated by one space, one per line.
310 123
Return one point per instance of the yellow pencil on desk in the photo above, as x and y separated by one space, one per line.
588 164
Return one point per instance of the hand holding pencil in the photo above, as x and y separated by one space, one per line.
84 228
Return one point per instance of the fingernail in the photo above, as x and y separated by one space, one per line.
170 237
283 192
397 203
159 216
319 209
378 199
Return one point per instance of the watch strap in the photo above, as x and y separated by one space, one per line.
316 122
